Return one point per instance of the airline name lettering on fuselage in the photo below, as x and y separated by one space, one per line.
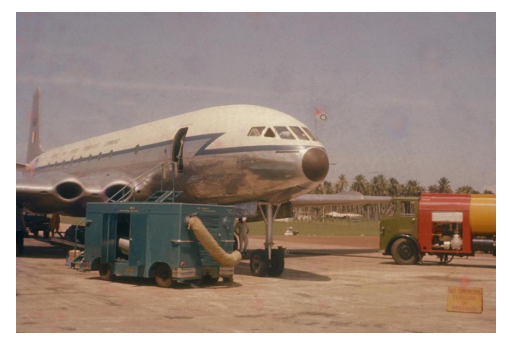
111 142
89 147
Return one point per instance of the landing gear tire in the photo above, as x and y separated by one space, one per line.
104 270
277 264
207 280
405 252
228 280
259 265
163 276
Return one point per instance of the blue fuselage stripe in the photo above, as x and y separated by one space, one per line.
202 151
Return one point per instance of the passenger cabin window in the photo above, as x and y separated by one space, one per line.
407 208
391 209
283 132
299 133
309 134
269 133
256 131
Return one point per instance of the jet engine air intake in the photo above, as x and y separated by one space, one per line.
113 189
69 190
315 164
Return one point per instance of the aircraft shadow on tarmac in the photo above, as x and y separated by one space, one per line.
437 264
44 251
297 253
288 273
150 282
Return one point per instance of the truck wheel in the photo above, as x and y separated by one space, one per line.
104 270
258 263
405 252
277 265
163 275
46 234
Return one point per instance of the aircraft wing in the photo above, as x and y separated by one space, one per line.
343 198
60 192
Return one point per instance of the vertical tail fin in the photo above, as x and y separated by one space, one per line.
34 140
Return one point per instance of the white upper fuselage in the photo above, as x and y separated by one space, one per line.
233 120
219 162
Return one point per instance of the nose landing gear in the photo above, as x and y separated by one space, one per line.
268 262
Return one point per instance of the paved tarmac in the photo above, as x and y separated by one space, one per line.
331 285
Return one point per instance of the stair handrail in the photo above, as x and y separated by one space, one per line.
145 175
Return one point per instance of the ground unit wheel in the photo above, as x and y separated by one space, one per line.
405 252
277 264
259 264
208 280
46 233
163 275
104 270
228 280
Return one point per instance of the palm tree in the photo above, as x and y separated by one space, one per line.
393 187
328 187
413 188
444 186
433 188
342 183
379 185
466 189
360 184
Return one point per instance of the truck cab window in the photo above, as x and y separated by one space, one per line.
256 131
299 133
283 132
269 133
391 209
407 208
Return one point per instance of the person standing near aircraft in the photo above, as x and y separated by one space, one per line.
54 224
242 229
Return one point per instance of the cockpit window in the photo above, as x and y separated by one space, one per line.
283 132
256 131
309 134
299 133
269 133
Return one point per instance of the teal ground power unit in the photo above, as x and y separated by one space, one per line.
154 240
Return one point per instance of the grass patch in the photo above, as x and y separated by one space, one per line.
336 228
70 220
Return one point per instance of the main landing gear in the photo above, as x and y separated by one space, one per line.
268 261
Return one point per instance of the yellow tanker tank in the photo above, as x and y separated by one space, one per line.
482 214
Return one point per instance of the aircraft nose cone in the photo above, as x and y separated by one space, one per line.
315 164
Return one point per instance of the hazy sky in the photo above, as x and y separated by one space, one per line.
407 95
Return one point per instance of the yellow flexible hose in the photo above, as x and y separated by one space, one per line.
211 246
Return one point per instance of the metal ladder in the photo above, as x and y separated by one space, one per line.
139 179
163 196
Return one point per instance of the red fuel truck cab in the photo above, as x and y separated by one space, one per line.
445 225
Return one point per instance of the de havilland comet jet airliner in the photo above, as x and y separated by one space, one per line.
248 156
234 155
